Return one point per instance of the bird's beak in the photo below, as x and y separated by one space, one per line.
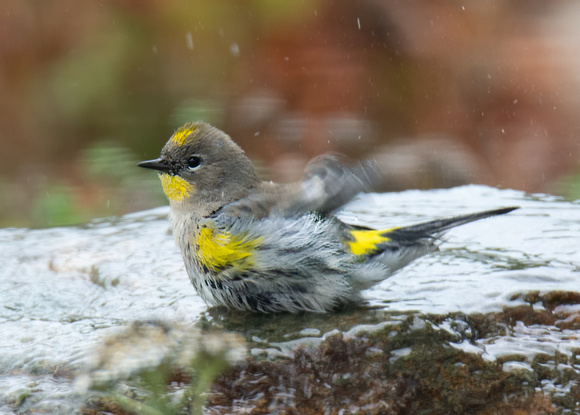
157 164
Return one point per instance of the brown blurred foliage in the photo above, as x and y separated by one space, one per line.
440 92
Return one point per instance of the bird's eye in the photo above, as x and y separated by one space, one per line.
194 162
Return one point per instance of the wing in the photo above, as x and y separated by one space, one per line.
328 184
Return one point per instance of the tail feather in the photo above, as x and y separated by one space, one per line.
428 229
396 247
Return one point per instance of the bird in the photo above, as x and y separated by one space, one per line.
250 244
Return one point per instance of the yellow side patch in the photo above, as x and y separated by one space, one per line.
180 135
176 189
365 242
216 251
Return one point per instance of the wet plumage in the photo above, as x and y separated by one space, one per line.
250 244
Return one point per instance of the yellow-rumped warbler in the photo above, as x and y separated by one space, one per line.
251 244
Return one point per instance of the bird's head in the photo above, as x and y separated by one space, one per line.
202 166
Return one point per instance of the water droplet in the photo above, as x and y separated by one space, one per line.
189 40
235 49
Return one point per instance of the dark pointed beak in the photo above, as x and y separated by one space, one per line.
157 164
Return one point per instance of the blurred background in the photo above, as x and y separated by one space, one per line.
441 92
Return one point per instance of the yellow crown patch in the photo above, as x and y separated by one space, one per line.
181 135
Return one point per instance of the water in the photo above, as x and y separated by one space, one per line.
63 289
481 265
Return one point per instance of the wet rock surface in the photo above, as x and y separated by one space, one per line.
394 364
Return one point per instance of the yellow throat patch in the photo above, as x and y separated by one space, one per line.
180 135
176 189
366 242
217 251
